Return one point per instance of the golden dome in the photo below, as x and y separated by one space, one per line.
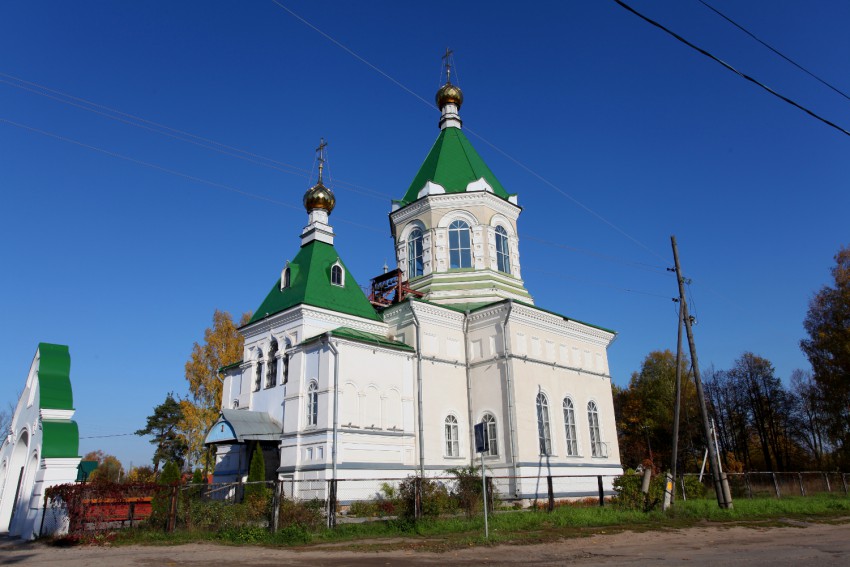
449 93
319 197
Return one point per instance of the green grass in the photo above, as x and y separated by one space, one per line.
521 526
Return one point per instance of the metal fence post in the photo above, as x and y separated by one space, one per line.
749 488
601 490
844 483
826 478
776 485
800 479
682 482
551 493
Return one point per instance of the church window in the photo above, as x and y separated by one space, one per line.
460 249
312 404
503 255
597 448
271 367
570 427
543 434
258 371
285 277
452 437
337 275
415 266
285 359
491 444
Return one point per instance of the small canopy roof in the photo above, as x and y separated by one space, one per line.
242 426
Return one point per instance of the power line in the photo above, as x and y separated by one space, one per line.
105 436
561 275
639 265
776 51
174 171
235 151
177 134
733 69
431 105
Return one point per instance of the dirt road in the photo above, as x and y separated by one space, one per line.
798 544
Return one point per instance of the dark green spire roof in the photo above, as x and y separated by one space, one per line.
310 284
453 164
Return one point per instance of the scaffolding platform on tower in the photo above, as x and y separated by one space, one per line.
390 288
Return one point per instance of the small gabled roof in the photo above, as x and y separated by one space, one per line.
362 337
310 284
242 426
453 164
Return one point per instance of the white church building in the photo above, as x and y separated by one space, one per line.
335 384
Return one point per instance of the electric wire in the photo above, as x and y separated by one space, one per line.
235 151
181 135
561 275
776 51
733 69
174 172
480 137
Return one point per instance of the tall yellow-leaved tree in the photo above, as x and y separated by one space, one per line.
222 346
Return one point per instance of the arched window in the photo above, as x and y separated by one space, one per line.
597 448
491 444
543 435
258 371
312 404
337 275
503 255
570 426
452 439
415 266
284 277
460 249
271 367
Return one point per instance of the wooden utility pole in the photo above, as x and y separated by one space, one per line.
721 485
676 410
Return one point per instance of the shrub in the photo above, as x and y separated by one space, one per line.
468 490
256 489
434 497
629 496
161 503
307 515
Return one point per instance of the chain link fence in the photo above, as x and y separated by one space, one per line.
774 484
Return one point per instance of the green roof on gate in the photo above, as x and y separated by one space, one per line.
54 377
453 164
310 284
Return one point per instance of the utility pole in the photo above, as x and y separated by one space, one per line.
721 485
676 410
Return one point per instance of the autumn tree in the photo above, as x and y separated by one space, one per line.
812 418
644 412
164 425
221 347
109 468
827 347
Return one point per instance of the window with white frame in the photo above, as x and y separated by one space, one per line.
491 444
415 265
596 446
503 255
258 371
338 275
570 427
543 433
312 404
271 367
285 278
460 245
452 437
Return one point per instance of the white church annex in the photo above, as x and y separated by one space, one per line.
337 385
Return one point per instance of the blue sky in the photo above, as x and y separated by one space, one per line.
624 135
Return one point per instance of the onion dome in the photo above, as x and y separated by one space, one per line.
449 94
319 197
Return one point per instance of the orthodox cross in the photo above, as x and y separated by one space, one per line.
446 57
320 155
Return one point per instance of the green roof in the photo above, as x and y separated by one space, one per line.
362 337
84 470
453 164
54 380
61 439
310 284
